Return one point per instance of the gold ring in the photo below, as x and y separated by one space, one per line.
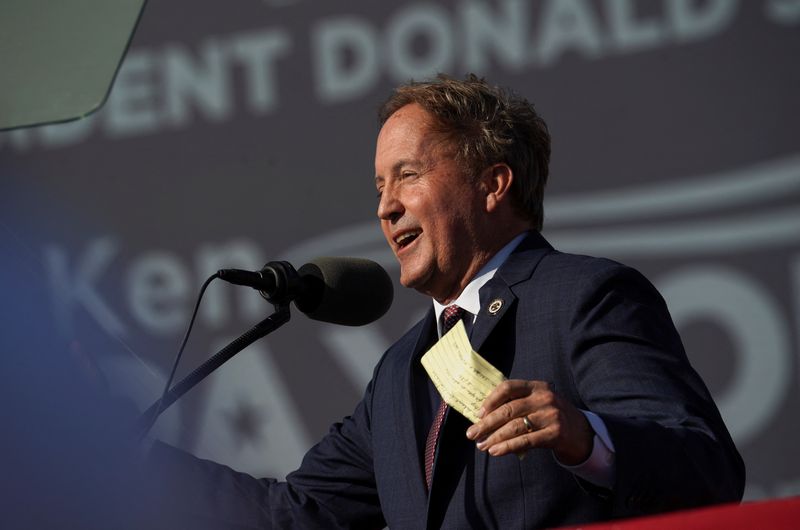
528 424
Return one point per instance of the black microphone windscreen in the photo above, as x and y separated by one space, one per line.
347 291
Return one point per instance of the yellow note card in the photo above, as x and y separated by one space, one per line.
462 377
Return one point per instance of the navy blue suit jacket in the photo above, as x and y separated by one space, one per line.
597 331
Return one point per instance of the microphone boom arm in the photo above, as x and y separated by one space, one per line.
268 325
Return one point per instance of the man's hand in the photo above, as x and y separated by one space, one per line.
552 422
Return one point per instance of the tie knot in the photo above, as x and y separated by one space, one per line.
450 316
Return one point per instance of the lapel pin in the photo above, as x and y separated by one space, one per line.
495 306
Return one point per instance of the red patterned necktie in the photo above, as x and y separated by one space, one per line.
450 316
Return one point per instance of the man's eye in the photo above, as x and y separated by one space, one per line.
380 192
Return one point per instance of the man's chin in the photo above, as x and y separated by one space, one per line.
411 279
408 282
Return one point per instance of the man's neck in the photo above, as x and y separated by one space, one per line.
468 298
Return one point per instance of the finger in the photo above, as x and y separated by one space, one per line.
512 429
536 395
501 416
504 392
522 444
515 427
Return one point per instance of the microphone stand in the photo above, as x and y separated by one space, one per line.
268 325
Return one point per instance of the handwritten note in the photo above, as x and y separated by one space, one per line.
462 377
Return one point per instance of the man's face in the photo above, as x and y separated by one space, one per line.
431 213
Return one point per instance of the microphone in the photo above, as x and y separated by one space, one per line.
347 291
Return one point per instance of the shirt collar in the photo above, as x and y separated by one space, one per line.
469 299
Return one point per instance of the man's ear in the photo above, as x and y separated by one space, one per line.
496 181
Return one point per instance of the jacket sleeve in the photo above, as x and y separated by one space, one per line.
333 488
673 450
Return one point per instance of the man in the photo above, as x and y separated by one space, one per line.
601 415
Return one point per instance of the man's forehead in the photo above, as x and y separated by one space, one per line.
410 140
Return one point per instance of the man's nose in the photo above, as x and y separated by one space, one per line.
390 208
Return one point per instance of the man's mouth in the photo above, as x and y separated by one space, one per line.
406 238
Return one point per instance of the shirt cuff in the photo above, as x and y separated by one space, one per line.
599 468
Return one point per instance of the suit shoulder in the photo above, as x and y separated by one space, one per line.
582 266
576 273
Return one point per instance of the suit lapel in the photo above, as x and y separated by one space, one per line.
500 297
408 407
497 296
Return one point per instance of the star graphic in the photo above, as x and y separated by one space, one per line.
245 421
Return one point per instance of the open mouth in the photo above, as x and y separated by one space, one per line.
406 238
